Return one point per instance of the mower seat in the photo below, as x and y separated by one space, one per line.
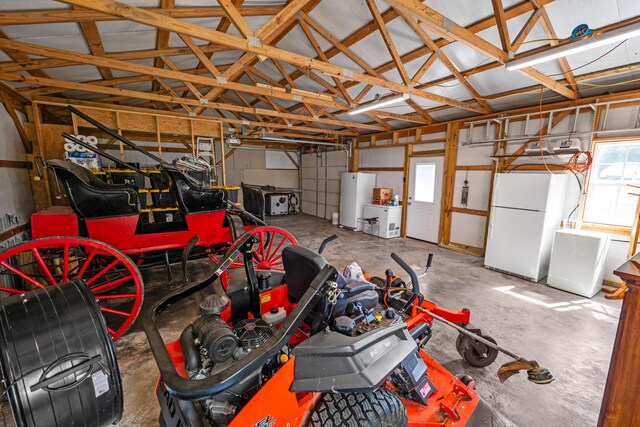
302 265
89 196
191 196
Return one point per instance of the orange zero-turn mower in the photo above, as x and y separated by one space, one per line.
305 346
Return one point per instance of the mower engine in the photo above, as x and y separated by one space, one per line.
210 345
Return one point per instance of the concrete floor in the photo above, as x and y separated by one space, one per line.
570 335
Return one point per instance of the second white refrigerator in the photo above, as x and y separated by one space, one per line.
526 210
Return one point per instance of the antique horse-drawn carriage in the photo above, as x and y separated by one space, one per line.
101 237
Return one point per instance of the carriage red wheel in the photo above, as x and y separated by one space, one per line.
267 254
111 275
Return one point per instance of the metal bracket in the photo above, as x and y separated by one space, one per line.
254 41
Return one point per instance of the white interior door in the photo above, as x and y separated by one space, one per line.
425 198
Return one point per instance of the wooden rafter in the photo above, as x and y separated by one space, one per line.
166 73
424 68
51 16
337 44
267 33
501 23
92 37
321 55
20 57
8 105
169 99
526 29
420 111
162 37
446 28
188 84
391 14
444 59
199 53
156 20
553 41
310 105
238 21
382 28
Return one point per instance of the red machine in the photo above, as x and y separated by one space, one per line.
343 352
102 239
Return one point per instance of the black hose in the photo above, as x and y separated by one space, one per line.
190 351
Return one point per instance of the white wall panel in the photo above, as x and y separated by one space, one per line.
479 186
391 180
17 199
382 157
467 229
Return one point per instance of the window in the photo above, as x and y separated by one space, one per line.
615 166
425 186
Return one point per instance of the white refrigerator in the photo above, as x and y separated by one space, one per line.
526 210
356 189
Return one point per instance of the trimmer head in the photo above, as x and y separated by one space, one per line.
535 373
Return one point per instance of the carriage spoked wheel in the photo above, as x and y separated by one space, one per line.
112 276
267 253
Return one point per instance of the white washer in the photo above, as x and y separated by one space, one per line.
577 261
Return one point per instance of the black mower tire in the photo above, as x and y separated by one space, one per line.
471 355
380 408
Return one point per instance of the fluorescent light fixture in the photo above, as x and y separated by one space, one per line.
580 45
379 104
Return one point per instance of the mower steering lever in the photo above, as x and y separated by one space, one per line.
412 274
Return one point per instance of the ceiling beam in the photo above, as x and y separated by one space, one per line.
197 51
501 23
39 64
320 53
337 44
238 21
156 20
267 33
51 16
20 57
162 72
386 37
162 39
446 28
553 41
413 24
92 37
526 29
176 100
423 68
483 24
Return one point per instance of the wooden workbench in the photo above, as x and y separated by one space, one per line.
621 402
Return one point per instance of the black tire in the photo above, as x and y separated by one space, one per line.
380 408
472 356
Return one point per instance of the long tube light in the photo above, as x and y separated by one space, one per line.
379 104
581 45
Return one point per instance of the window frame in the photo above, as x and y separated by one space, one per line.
588 184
